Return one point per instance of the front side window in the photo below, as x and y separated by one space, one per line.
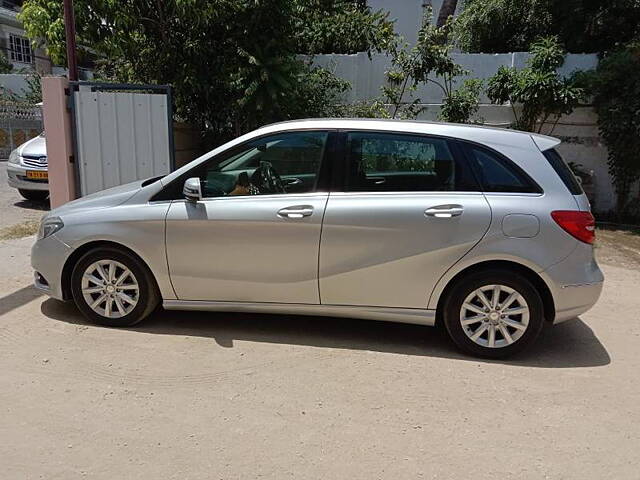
389 162
282 163
20 49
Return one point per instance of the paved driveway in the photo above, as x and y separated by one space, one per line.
189 395
13 208
202 396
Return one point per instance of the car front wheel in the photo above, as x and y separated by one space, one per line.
493 314
114 288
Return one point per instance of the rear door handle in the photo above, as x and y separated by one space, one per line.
297 211
444 211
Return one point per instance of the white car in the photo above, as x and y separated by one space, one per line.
27 169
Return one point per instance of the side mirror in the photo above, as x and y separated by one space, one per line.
192 190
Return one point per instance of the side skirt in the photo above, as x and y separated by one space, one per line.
401 315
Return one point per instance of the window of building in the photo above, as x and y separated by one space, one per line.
20 49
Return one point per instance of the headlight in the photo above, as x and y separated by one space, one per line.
49 226
14 157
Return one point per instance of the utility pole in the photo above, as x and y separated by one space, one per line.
70 34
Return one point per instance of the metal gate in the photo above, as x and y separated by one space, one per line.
122 133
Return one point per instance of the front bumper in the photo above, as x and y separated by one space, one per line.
48 256
17 178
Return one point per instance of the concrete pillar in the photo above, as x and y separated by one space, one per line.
59 140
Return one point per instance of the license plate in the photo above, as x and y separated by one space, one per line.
37 174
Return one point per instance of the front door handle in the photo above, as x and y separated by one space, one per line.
297 211
444 211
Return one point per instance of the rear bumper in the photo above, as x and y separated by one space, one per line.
576 300
576 283
17 178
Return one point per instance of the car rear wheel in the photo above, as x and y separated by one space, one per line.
114 288
493 314
36 195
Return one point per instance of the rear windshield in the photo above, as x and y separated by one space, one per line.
563 171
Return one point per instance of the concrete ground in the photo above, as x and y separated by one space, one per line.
13 208
230 396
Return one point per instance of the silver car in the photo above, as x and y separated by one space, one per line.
27 169
483 230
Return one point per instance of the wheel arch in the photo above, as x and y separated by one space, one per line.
71 261
530 274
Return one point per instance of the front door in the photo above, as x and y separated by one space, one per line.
408 211
255 235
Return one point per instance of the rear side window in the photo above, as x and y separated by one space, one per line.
390 162
563 171
498 174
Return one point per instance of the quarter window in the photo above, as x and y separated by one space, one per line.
563 171
388 162
497 174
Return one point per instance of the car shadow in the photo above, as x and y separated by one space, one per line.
568 345
42 205
18 298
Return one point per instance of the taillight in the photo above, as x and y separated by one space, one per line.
581 225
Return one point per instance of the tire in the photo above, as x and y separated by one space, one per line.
98 263
35 195
522 329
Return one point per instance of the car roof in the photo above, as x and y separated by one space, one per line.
475 133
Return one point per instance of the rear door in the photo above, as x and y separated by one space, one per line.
407 210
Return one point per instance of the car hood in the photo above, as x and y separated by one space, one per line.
35 147
110 197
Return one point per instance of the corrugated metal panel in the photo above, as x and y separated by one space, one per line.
121 137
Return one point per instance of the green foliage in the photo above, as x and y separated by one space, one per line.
233 63
538 89
33 93
462 105
501 25
512 25
5 65
375 108
615 86
340 26
429 61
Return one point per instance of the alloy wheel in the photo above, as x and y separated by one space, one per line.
110 289
494 316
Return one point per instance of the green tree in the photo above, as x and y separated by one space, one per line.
512 25
340 26
462 104
538 89
33 93
502 25
233 63
5 65
429 61
615 86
